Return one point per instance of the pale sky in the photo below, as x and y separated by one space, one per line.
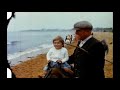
58 20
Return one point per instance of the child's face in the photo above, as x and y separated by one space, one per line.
57 44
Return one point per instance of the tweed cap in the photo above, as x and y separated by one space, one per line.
83 25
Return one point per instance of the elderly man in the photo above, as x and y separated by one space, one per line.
88 57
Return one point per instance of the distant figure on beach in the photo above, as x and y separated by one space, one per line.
58 55
68 39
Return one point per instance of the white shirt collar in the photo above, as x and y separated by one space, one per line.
83 42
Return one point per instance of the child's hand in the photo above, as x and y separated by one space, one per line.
72 65
49 61
59 61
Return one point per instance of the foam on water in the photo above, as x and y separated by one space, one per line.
19 57
23 46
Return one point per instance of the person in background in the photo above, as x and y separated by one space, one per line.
68 39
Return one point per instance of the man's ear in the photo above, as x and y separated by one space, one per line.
9 14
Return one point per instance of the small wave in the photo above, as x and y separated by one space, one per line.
8 43
46 45
13 42
27 54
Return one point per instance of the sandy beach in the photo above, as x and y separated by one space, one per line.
34 67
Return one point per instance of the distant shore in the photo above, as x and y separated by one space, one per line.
33 67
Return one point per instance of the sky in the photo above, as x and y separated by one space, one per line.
58 20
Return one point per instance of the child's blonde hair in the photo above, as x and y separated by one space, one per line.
60 39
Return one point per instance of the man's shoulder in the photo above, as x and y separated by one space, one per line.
96 42
93 39
92 42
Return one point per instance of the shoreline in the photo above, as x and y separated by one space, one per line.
34 66
28 54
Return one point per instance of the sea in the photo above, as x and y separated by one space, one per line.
27 44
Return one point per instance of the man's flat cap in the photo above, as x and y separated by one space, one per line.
83 25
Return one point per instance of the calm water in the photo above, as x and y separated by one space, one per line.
25 44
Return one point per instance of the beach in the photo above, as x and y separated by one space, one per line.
33 67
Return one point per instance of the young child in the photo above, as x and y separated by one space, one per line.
58 54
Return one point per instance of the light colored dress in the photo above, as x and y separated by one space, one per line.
57 54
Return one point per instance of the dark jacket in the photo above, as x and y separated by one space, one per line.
89 65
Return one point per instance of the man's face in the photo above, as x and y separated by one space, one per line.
79 34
